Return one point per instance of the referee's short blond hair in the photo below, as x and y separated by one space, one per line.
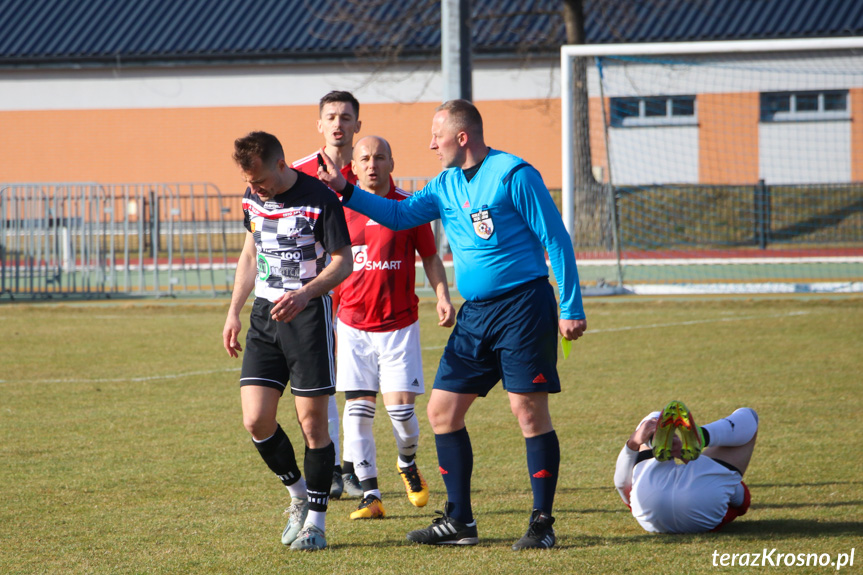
464 117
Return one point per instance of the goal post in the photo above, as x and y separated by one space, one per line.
715 166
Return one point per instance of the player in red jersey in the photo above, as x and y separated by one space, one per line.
338 121
378 329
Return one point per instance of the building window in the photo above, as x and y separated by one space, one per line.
653 111
804 106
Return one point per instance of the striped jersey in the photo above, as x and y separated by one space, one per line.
379 294
294 234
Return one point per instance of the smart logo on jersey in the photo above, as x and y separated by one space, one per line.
362 261
263 267
360 257
482 224
273 206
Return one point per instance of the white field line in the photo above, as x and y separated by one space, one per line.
695 322
590 331
707 261
745 288
724 261
680 323
122 379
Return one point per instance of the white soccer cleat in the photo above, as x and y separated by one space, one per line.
310 539
297 513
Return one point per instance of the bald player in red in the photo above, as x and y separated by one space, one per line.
378 331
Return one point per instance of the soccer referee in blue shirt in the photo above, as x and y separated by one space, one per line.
500 220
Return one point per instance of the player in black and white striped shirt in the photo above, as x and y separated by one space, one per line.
296 251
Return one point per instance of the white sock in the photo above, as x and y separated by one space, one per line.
316 518
360 438
333 425
346 449
375 492
737 429
406 429
298 489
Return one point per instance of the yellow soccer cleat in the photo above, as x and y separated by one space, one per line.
664 434
370 508
690 434
415 485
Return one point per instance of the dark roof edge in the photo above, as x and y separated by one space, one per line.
186 61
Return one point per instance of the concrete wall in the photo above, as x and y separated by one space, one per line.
178 124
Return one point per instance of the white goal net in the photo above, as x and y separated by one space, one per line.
715 167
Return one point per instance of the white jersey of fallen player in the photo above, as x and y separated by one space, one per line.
669 498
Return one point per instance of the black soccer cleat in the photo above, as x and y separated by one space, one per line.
540 534
352 485
445 530
338 486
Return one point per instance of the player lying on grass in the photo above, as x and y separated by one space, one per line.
702 494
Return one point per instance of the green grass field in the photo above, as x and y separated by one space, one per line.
122 447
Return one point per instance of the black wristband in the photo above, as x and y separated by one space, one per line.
347 192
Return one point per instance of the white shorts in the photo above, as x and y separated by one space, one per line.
385 361
667 497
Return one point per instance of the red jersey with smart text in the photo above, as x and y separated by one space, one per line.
379 294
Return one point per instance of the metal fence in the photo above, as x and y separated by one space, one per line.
85 239
760 216
94 240
163 239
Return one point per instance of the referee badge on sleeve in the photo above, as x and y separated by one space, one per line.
482 224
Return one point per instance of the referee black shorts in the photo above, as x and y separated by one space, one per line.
511 337
300 351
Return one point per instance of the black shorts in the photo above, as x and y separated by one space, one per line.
300 351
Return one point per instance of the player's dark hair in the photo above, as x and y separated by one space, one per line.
257 145
340 96
464 116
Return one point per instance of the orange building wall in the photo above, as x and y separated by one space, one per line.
856 97
728 138
195 144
